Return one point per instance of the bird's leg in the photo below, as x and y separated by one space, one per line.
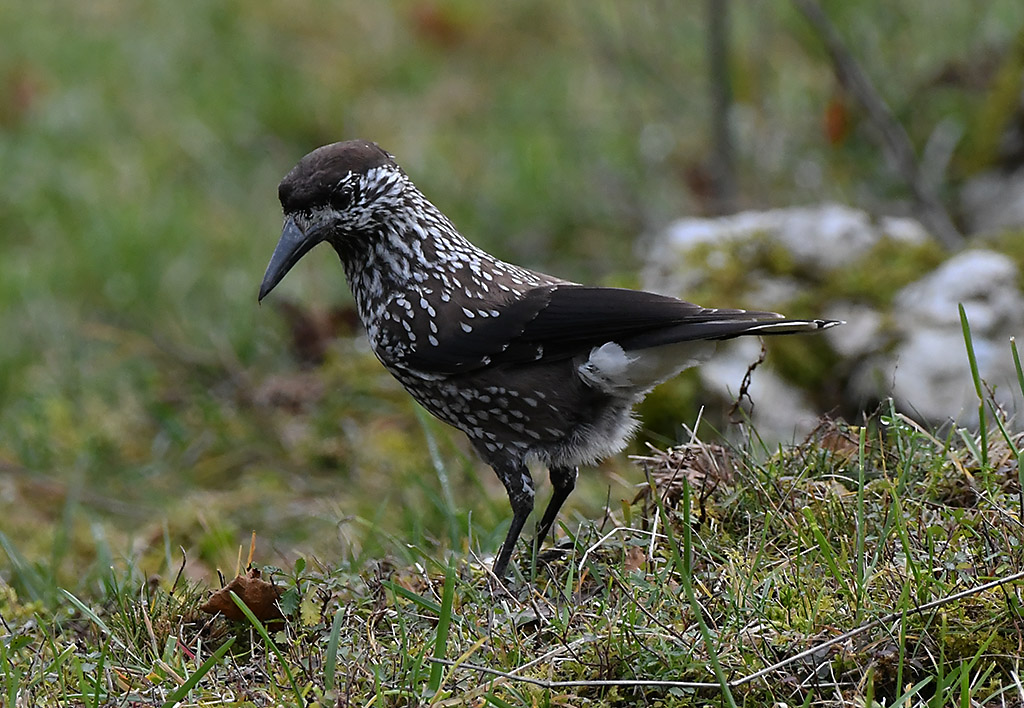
563 479
519 485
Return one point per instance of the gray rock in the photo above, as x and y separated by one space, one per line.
914 352
927 372
819 237
860 336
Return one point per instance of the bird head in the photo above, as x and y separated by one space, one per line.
333 194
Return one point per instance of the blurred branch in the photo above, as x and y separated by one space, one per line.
723 164
895 141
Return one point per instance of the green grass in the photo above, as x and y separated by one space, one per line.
875 560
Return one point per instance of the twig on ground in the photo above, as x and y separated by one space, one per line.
817 648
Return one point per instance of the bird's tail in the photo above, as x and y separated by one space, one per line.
777 327
736 324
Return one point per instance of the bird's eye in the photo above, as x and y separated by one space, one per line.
341 197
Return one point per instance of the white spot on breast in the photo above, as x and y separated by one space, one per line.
465 327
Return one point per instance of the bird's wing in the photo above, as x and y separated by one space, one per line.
580 317
562 321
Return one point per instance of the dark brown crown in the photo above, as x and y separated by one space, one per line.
314 180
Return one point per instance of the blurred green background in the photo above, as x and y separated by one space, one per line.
146 401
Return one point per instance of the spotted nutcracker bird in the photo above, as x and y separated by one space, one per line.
529 366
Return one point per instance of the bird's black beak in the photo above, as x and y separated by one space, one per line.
294 244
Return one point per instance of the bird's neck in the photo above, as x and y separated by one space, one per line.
402 253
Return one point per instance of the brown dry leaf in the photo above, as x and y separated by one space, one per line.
257 594
837 439
840 445
636 559
411 582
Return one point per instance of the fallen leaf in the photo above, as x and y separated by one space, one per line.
257 594
636 559
837 439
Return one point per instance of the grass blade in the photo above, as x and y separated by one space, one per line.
24 572
425 603
98 686
1020 455
443 625
907 697
976 377
861 529
255 622
93 617
1016 363
495 701
331 663
181 691
682 560
827 552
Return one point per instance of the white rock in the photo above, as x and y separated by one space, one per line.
862 333
904 230
928 372
824 237
914 353
984 281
